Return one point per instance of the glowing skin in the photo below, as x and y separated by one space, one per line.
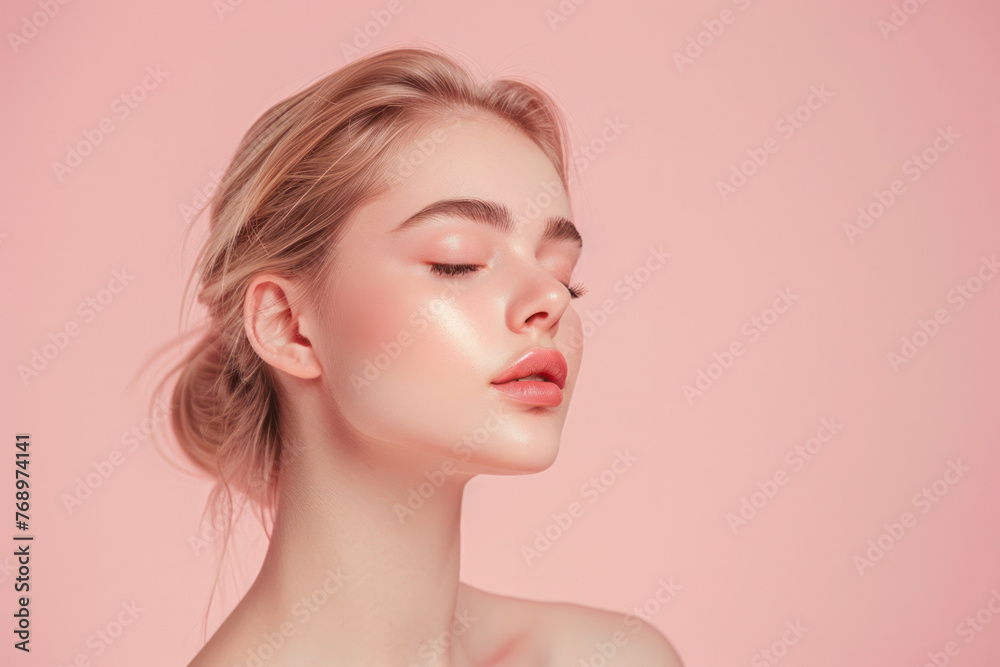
438 389
431 345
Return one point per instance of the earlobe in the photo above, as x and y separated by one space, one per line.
271 322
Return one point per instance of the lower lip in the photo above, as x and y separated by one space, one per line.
532 392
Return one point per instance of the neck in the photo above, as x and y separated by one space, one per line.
352 574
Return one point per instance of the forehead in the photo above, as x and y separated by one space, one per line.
467 159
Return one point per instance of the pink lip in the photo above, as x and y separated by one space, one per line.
549 364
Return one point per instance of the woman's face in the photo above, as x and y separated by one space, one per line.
428 312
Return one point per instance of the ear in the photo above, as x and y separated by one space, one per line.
272 319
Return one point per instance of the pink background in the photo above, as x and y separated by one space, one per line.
680 131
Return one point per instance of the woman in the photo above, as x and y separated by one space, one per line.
388 278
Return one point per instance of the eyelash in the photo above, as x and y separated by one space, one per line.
576 290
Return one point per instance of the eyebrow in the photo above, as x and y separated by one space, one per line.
494 214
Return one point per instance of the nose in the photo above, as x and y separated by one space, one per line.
539 301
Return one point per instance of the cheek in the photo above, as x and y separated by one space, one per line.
369 313
406 349
442 350
417 324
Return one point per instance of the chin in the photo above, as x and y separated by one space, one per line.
479 429
526 442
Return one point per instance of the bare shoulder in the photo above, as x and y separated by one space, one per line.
573 633
592 634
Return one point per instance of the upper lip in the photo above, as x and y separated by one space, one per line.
547 362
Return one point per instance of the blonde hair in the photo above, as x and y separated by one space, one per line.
299 173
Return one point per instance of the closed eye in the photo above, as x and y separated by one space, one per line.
454 269
575 291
